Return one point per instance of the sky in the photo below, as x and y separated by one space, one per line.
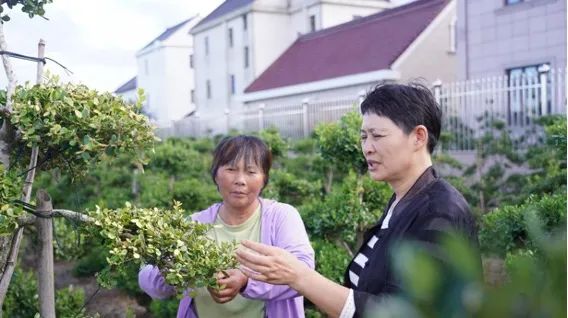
97 40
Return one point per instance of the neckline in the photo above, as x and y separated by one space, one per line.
250 220
217 214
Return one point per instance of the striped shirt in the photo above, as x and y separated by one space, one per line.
360 261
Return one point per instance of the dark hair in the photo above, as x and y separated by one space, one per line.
231 150
407 106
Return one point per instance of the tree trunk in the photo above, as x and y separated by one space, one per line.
12 257
8 264
45 265
7 132
7 136
360 192
480 162
13 246
329 180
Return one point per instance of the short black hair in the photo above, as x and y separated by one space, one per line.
231 150
407 106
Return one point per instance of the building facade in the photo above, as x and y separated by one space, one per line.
510 37
241 38
410 42
165 73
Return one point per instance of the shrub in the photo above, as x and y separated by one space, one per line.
164 308
289 188
504 229
22 300
331 260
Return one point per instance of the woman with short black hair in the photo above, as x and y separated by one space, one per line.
400 129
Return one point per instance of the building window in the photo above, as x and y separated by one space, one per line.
230 37
245 22
208 87
146 68
312 23
453 35
246 56
232 84
192 96
510 2
190 60
206 45
524 94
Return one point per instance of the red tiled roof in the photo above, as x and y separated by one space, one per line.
367 44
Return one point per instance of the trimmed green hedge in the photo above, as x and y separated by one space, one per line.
504 229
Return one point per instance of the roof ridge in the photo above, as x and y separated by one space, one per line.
169 30
127 86
223 9
389 13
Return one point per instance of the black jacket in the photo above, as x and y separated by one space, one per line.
431 207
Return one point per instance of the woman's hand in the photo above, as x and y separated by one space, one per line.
270 264
232 285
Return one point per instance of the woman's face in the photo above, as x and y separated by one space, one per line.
240 185
387 149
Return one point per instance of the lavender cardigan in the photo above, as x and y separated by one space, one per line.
281 226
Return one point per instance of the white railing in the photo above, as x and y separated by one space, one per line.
293 121
516 102
467 106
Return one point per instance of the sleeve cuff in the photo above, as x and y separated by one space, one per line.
349 307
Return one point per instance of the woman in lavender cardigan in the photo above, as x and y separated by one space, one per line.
240 169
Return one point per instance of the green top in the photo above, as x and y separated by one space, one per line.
239 306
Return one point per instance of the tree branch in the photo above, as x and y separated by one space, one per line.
26 220
10 263
72 215
10 75
4 112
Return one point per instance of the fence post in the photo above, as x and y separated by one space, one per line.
543 74
361 96
305 103
44 224
227 112
437 85
261 117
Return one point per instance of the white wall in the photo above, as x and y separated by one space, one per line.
434 46
493 37
168 79
342 93
267 36
272 35
334 14
150 76
212 67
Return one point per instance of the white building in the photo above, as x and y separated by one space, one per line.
165 73
241 38
128 91
414 41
